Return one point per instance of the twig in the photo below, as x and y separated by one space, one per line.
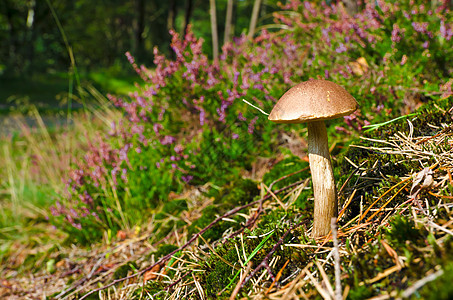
418 284
336 256
238 286
177 281
264 263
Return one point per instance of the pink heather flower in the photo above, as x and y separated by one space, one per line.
342 48
396 33
442 29
157 127
202 116
178 149
241 117
167 140
235 136
187 178
123 152
326 35
421 27
161 114
251 126
123 174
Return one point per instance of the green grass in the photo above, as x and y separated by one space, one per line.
34 165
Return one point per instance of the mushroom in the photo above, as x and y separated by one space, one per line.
313 102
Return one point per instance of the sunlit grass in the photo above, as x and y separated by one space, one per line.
35 161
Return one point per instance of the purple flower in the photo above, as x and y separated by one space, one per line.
342 48
167 140
187 178
235 136
157 127
178 149
396 34
251 126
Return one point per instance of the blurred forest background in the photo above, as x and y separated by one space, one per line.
42 41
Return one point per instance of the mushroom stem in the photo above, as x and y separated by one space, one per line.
322 175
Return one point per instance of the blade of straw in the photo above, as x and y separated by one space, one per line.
262 111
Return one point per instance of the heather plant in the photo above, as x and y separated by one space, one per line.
384 54
188 125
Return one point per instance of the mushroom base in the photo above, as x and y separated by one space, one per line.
324 189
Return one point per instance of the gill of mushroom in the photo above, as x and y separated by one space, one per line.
313 102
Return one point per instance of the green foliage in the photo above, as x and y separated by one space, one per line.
164 249
222 157
238 192
286 167
186 125
402 230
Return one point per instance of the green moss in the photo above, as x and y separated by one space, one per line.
236 193
272 227
239 192
125 270
164 249
285 167
210 213
152 287
402 230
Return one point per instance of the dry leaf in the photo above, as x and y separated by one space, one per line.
391 252
152 274
422 180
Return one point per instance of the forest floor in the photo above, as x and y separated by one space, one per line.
394 236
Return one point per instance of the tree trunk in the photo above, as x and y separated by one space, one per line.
254 18
30 36
228 22
215 37
139 27
188 15
172 11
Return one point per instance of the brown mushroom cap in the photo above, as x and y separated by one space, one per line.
313 100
